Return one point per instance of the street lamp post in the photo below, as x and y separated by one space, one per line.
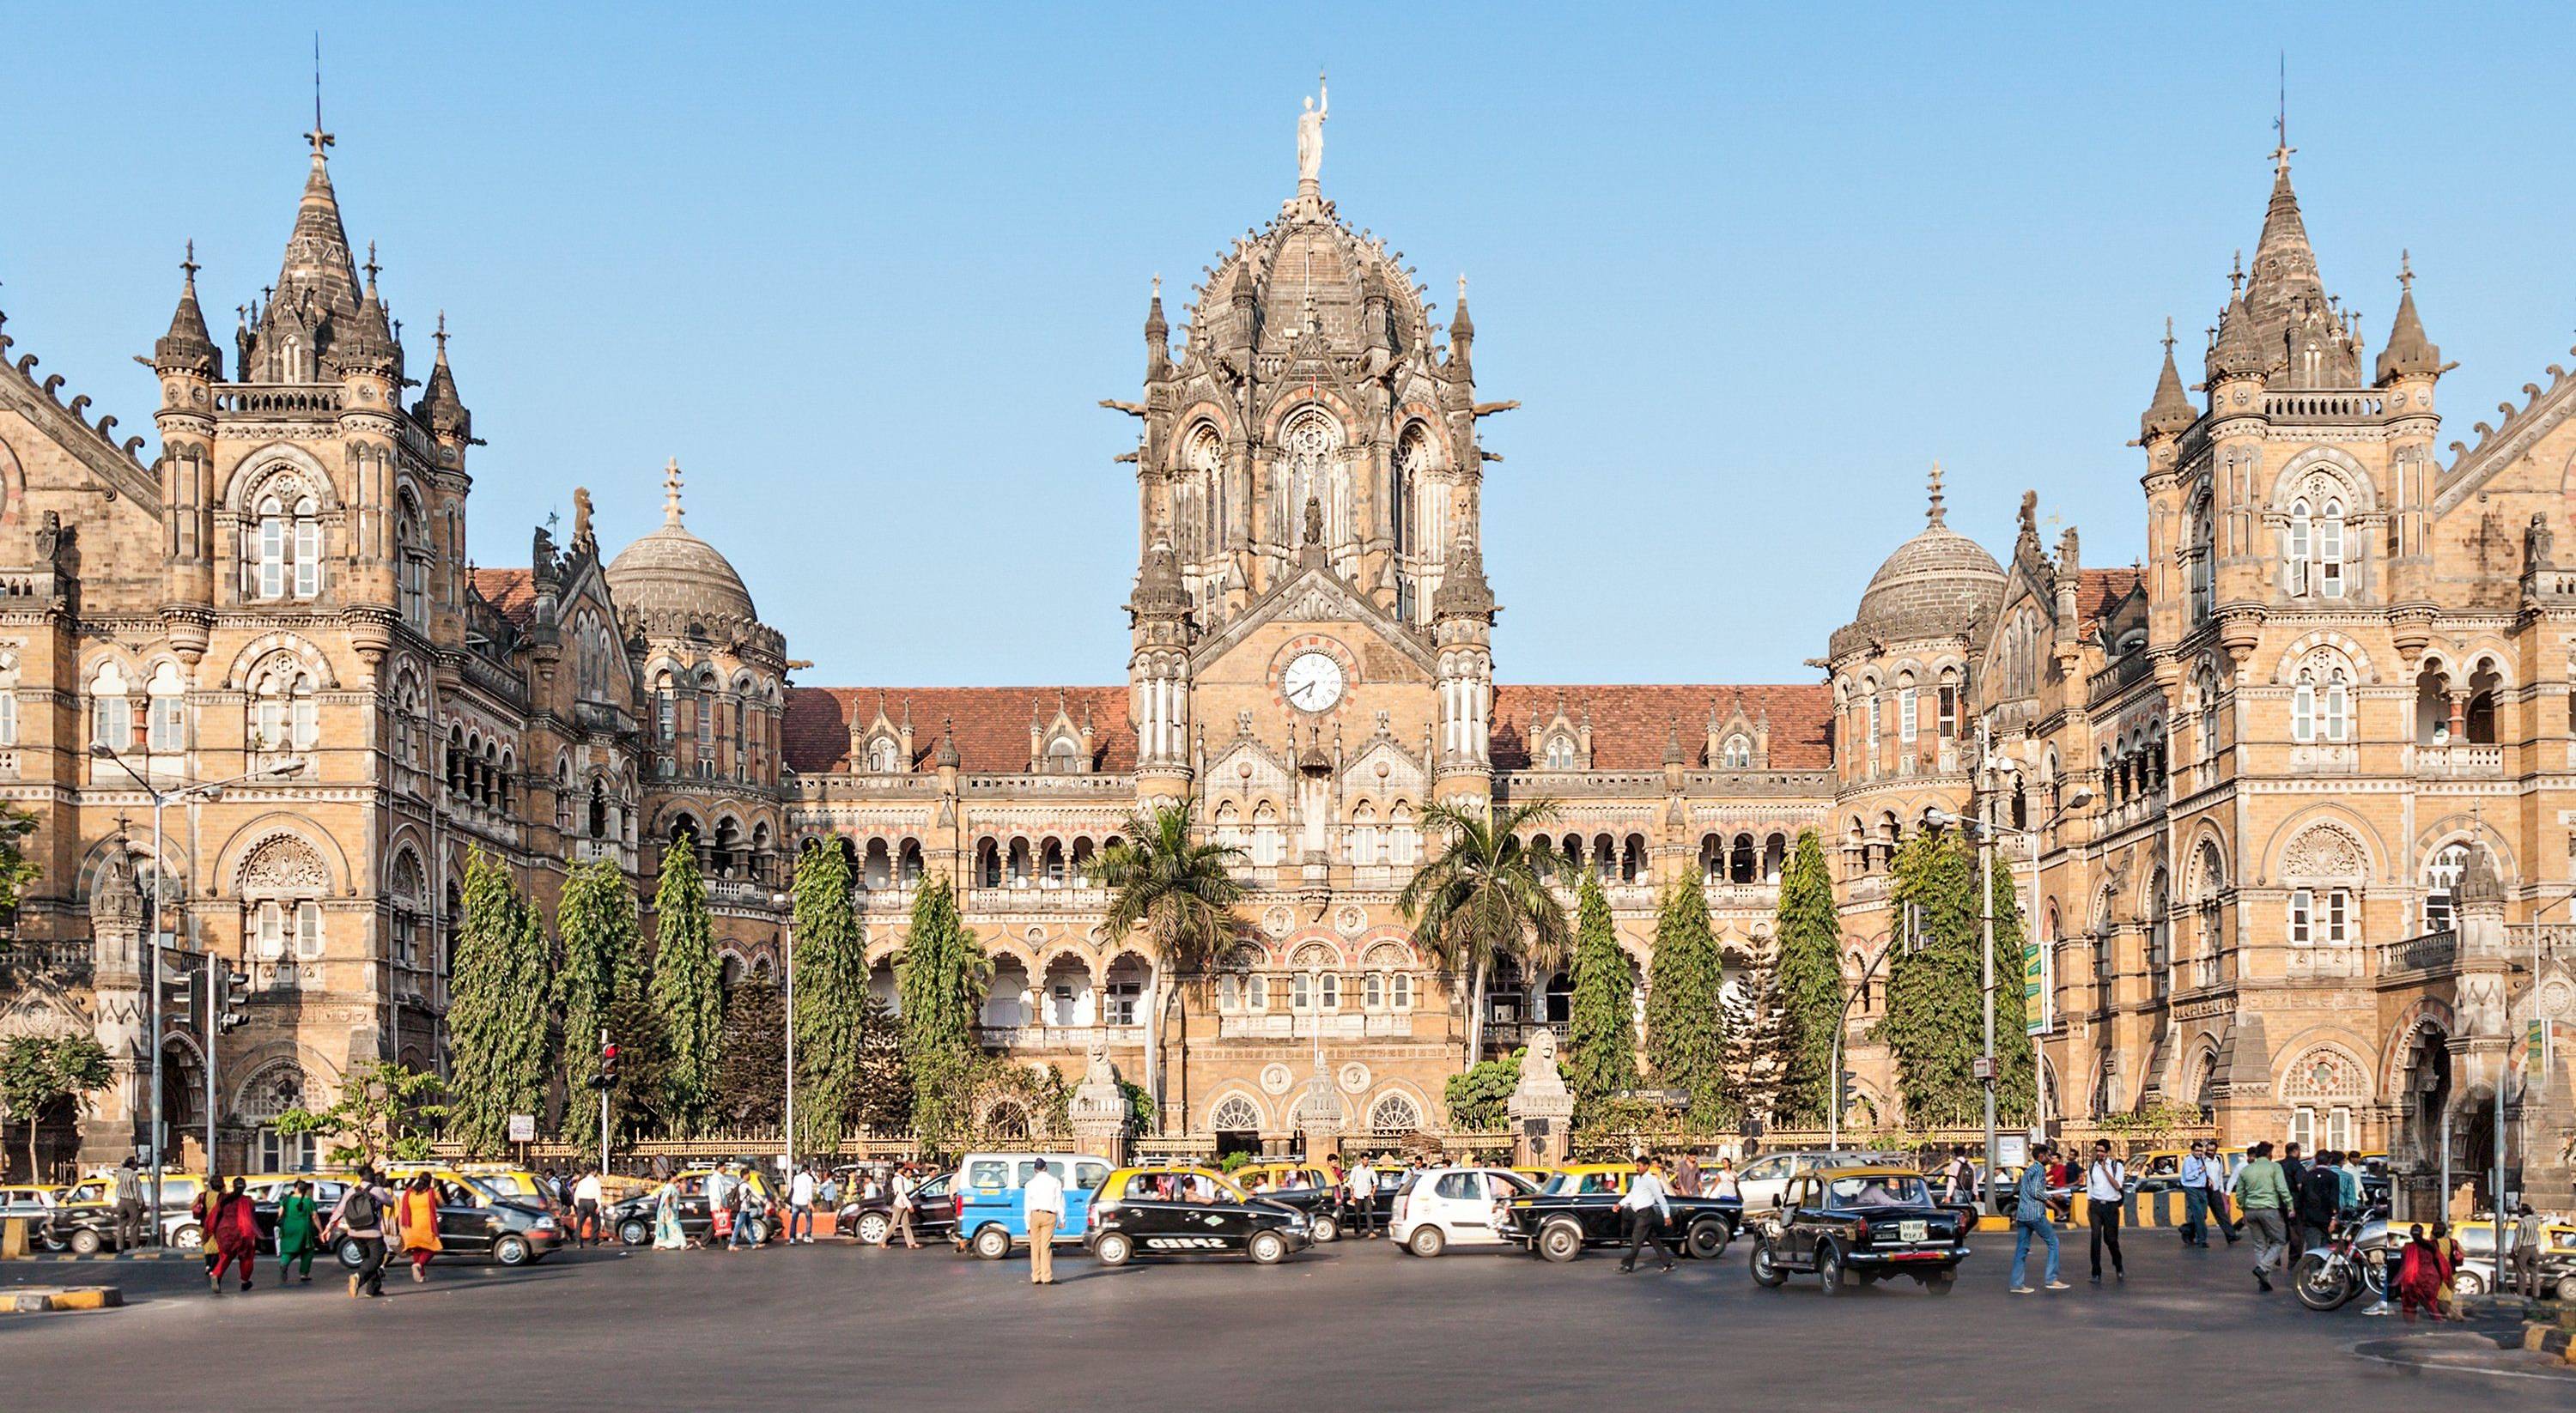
152 951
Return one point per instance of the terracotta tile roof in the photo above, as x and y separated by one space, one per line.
511 592
992 724
1629 723
2097 590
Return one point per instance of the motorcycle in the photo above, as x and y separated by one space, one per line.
2354 1259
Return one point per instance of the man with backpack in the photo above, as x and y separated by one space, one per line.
361 1217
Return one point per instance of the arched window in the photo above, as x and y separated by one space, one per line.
881 755
1364 838
2303 707
1394 1114
1737 753
2299 545
2442 886
666 709
2330 551
8 698
1403 841
111 717
166 725
1234 1114
1560 753
285 719
2335 717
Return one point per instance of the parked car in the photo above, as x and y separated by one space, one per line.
506 1180
1579 1209
1438 1208
85 1218
32 1203
992 1215
477 1224
1148 1212
265 1189
1854 1225
631 1220
1763 1181
934 1212
1303 1186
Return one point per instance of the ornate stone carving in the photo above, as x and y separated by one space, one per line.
283 864
2325 1072
2324 852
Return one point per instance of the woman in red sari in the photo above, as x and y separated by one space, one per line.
2423 1273
235 1236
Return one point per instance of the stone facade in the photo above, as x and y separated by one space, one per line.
2287 790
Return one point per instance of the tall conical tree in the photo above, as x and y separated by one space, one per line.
751 1071
496 1014
1601 1039
595 923
1686 1022
1934 1024
941 975
1756 1039
1807 985
688 987
831 993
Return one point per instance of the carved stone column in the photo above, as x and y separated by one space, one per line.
1098 1110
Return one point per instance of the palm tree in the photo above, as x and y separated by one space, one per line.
1180 890
1483 900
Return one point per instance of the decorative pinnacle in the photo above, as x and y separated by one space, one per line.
2169 338
1933 516
1462 287
1158 287
371 267
2281 124
671 493
2406 270
2236 276
189 266
441 335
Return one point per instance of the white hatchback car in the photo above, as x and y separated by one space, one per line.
1438 1208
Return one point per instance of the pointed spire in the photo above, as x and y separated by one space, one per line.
1672 741
2171 410
1463 592
1934 516
439 405
2296 326
671 511
2408 351
945 757
1462 335
188 347
1159 593
1158 335
2237 351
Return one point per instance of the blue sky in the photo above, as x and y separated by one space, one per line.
867 271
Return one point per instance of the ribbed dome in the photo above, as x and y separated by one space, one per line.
671 573
1933 585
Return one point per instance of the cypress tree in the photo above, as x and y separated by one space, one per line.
831 990
687 987
1935 990
1601 1042
882 1098
942 976
1756 1037
751 1067
1807 985
595 923
1686 1023
496 1015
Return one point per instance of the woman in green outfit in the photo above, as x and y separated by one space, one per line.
299 1232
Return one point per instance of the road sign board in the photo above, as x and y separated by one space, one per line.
523 1128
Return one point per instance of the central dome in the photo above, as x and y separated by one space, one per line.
1307 269
1935 585
672 574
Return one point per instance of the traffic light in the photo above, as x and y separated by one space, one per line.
236 1001
1851 1089
178 999
607 1065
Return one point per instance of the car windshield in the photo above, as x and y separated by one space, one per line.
1879 1190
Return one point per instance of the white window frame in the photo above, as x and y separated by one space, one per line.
2300 542
2303 912
2303 709
2330 536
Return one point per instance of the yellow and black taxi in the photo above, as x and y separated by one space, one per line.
507 1181
85 1212
1852 1226
1141 1212
475 1223
1304 1186
632 1219
1579 1208
33 1203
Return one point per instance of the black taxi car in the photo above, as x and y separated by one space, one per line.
1150 1212
632 1219
934 1213
1852 1226
1579 1208
475 1223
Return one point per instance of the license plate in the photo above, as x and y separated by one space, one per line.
1912 1231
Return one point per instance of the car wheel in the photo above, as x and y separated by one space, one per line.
1940 1282
189 1238
759 1233
2567 1290
351 1254
1829 1270
1267 1248
872 1227
2468 1283
511 1250
633 1232
992 1243
86 1242
1326 1229
1766 1267
1706 1240
1561 1241
1113 1249
1427 1241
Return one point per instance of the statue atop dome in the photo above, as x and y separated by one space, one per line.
1310 138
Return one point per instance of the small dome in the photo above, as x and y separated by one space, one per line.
1935 584
671 573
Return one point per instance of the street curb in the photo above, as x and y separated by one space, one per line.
110 1256
2550 1339
41 1299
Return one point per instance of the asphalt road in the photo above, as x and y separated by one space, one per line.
1354 1325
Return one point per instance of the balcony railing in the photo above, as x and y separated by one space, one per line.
2430 952
42 957
2459 762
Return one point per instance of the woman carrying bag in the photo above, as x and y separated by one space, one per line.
416 1216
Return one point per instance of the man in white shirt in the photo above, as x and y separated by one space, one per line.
800 1207
1363 1198
2194 1178
585 1206
2105 1188
902 1206
1043 1197
1647 1207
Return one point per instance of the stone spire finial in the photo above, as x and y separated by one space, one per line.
2409 350
188 346
2170 411
1933 515
439 402
671 511
945 757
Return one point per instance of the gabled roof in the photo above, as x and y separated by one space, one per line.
1631 723
2098 591
512 593
991 724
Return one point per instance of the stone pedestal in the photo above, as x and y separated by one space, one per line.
1541 1108
1319 1115
1098 1110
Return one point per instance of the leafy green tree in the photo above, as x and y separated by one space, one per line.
1686 1019
1807 985
496 1016
941 975
37 1071
1180 892
1481 900
386 1110
639 1102
751 1065
1477 1096
1601 1038
831 996
687 988
1934 1025
16 869
595 923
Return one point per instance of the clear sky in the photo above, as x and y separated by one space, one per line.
866 271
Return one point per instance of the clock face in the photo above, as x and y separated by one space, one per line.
1313 681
